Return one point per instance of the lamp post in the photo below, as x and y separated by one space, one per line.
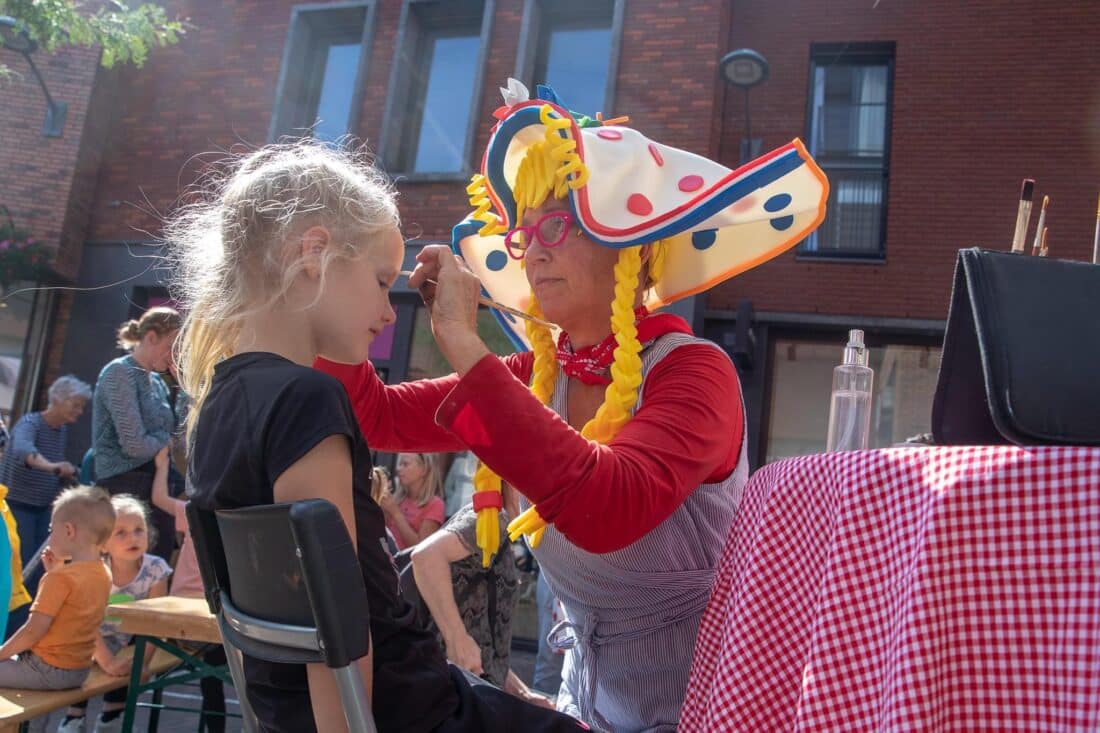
15 37
745 68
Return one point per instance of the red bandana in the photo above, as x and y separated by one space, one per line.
591 364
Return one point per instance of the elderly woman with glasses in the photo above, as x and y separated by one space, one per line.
623 432
34 466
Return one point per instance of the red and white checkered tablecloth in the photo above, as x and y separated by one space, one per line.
927 589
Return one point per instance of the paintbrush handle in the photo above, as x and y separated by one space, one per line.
498 306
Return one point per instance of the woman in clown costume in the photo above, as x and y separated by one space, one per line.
623 432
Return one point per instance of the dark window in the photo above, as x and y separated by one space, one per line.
849 135
322 68
574 52
435 86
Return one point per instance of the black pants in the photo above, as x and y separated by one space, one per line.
481 707
139 483
213 692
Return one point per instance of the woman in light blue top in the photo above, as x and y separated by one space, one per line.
131 415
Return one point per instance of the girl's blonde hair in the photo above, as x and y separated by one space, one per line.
129 505
160 320
433 480
552 167
232 252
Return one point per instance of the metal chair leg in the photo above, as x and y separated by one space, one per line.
236 670
353 697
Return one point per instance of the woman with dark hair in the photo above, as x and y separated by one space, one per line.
132 418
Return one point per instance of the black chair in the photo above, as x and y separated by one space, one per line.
285 584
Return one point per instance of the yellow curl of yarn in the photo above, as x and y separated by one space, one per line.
479 199
626 377
570 171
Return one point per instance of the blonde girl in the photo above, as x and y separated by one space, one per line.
415 509
289 256
135 575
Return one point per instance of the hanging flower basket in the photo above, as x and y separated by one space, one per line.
22 257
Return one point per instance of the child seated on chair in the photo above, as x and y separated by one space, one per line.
136 575
56 644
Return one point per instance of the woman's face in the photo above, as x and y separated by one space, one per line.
157 349
411 472
71 409
573 281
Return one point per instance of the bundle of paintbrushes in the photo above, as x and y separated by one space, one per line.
1023 221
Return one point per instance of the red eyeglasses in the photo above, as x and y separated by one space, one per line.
550 231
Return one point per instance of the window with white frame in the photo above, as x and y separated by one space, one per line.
849 136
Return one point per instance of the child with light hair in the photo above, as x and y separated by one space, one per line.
135 575
291 257
56 644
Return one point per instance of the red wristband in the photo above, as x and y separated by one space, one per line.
486 499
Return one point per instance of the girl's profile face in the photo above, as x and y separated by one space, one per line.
355 304
411 471
130 538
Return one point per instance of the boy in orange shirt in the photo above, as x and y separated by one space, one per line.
55 646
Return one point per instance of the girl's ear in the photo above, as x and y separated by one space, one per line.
312 246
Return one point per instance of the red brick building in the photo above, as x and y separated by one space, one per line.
925 117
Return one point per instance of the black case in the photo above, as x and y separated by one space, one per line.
1021 353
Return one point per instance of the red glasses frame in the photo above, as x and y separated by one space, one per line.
518 251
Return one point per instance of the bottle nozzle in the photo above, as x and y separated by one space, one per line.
855 352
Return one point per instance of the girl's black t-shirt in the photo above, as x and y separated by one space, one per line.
262 415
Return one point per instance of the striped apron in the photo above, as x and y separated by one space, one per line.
632 615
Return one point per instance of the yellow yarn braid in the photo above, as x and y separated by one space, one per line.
552 166
626 377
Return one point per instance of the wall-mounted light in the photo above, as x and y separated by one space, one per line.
745 68
15 37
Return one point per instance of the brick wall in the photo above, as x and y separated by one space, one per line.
37 173
217 89
985 94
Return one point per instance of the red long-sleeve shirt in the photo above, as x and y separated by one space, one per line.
602 498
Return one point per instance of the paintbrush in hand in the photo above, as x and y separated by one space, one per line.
497 306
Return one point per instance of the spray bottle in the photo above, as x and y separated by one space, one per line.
850 407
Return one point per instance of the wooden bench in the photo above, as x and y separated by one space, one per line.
17 706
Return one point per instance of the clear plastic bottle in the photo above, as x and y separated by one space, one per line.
850 407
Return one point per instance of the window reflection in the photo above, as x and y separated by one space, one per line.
441 141
802 379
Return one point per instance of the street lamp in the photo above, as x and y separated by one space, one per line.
745 68
15 37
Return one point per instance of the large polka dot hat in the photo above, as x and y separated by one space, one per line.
719 222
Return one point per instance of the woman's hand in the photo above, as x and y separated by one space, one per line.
540 701
464 651
387 503
65 470
452 302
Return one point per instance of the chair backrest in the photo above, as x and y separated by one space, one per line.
287 564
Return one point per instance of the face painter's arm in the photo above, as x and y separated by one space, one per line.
453 304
